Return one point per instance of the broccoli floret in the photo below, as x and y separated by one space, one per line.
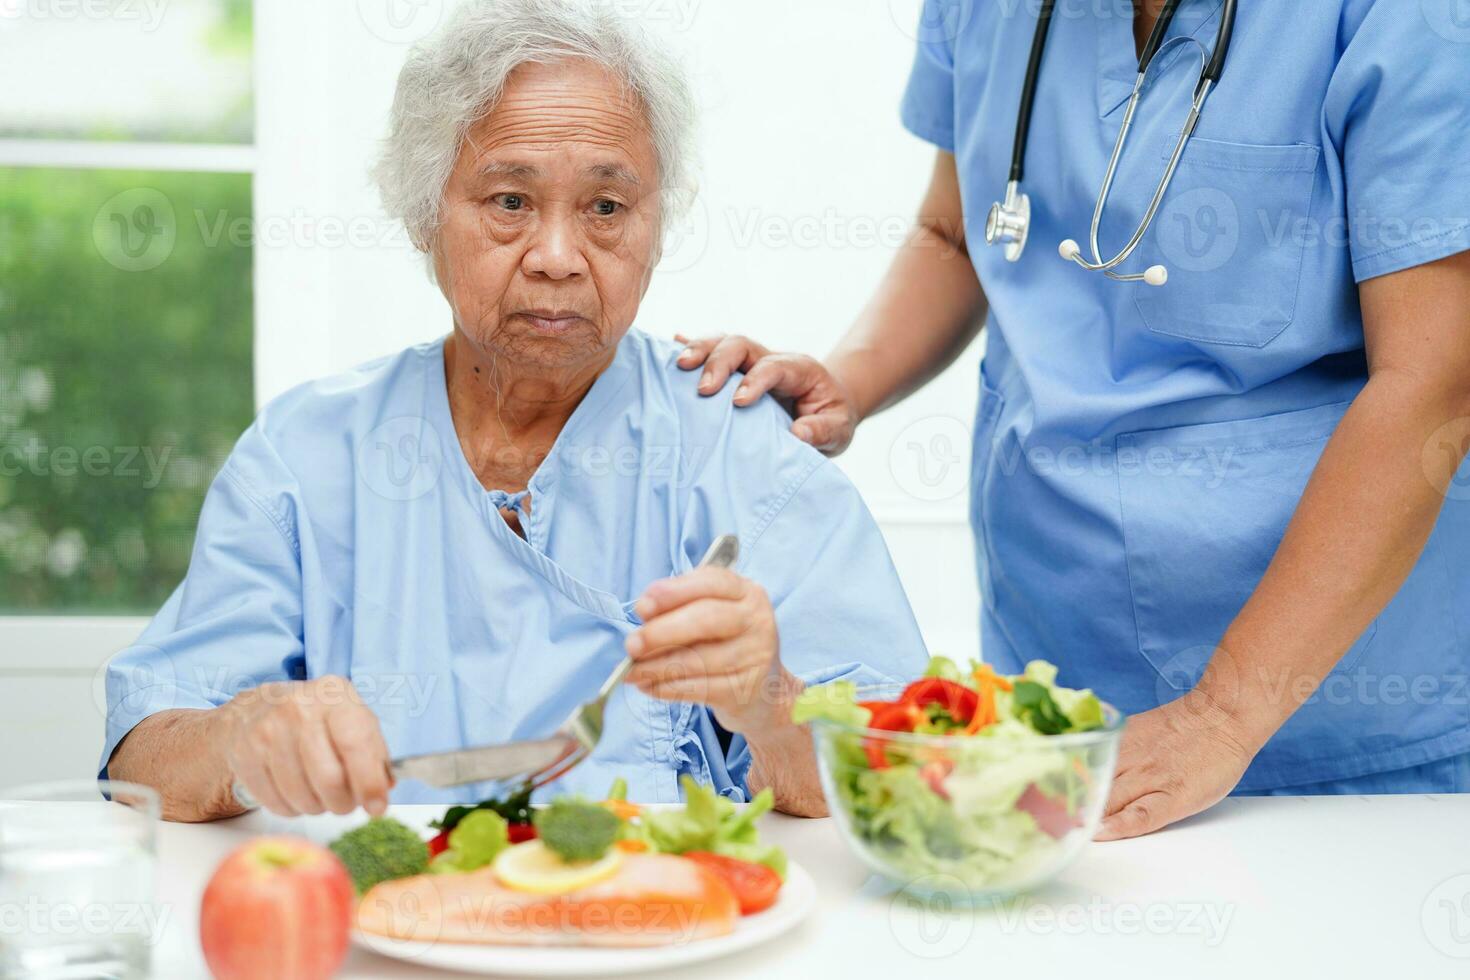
380 850
577 830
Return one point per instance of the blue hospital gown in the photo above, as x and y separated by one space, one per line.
346 534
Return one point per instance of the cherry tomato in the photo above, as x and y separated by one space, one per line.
755 885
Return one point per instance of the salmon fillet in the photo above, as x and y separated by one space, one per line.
652 900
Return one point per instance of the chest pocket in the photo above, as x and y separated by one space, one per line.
1232 231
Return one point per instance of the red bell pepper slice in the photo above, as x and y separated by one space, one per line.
903 716
957 699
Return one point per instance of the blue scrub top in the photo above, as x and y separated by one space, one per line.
1139 451
347 534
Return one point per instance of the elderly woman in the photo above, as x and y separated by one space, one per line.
455 545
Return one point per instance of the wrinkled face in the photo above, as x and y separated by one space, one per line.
550 220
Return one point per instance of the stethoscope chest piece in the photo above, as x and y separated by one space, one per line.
1010 222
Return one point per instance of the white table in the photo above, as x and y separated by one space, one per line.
1258 888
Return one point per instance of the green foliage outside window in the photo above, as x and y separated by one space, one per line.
125 378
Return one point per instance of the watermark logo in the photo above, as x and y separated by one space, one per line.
679 15
1443 459
400 21
147 678
1207 922
1445 917
1199 230
135 230
927 922
927 458
1181 675
146 464
1183 670
931 22
1362 231
1450 19
411 930
686 239
148 13
60 922
831 229
401 459
299 229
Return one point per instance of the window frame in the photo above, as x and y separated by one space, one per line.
288 165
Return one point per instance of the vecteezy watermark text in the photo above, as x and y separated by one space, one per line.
148 13
36 458
34 917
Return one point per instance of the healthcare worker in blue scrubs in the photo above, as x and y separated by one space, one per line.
1233 503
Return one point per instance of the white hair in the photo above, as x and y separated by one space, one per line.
454 78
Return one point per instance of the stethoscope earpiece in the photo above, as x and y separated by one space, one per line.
1154 275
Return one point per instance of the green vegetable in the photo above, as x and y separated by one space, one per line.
380 850
473 843
710 822
515 808
1033 704
577 830
1082 708
945 668
618 790
836 701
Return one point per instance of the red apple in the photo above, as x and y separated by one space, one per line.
278 908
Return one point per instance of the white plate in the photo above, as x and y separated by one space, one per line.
798 895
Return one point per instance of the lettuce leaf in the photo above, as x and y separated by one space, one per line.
836 702
1081 709
945 668
711 822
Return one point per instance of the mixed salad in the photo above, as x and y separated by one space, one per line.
573 842
989 798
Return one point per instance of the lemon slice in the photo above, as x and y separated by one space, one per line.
533 867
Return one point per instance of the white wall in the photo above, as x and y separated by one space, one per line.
808 185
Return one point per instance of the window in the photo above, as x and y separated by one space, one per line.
133 70
125 291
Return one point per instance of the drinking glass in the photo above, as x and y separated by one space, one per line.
76 880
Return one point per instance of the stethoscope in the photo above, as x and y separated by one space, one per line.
1010 222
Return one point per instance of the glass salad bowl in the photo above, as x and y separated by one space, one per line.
966 816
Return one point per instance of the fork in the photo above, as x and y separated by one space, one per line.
584 726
